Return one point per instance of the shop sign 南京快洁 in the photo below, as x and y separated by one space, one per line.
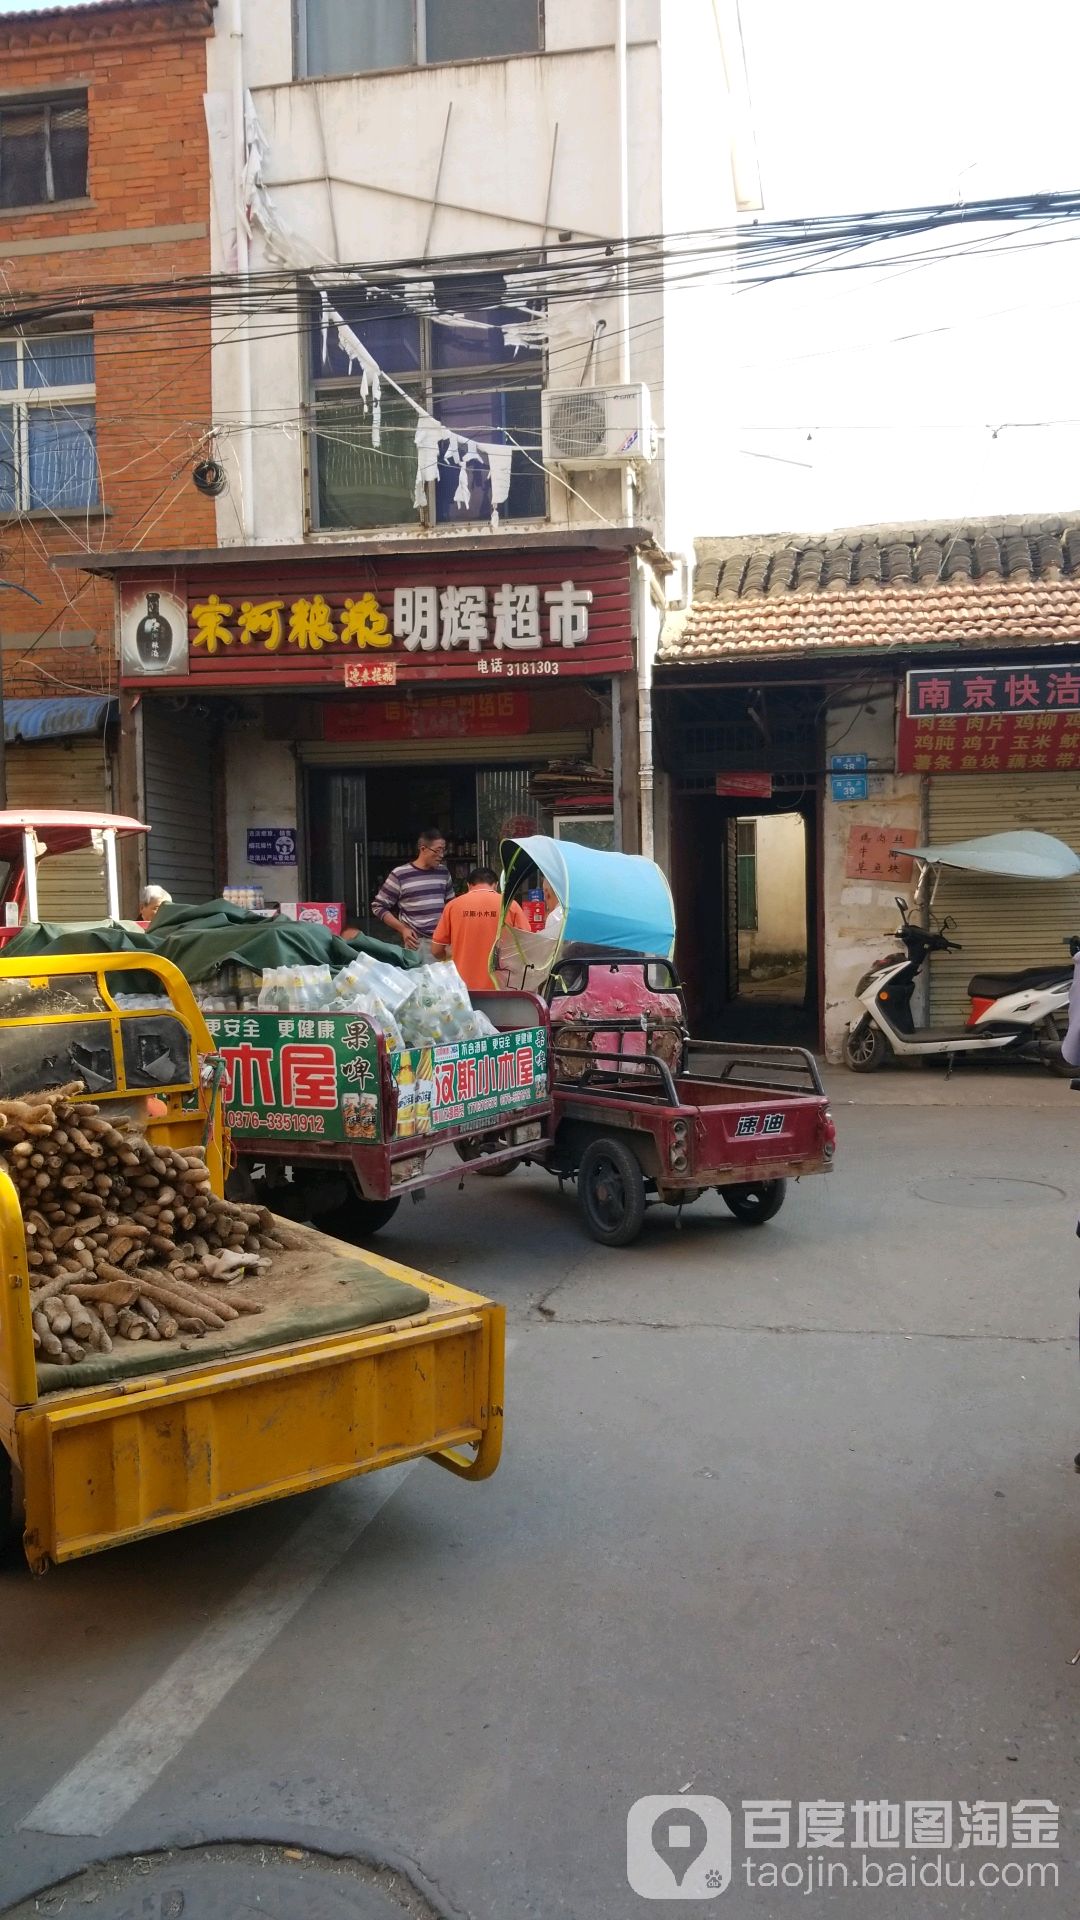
995 719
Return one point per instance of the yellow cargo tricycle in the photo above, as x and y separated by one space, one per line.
354 1362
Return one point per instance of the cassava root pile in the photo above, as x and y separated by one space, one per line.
125 1240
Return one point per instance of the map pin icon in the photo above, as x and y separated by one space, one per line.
679 1837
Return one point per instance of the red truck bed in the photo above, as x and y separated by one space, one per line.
743 1120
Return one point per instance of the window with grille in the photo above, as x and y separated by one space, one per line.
458 369
746 860
43 150
48 446
370 36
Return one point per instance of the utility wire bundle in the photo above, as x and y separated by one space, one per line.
753 255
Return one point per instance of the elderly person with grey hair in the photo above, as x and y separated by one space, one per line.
150 900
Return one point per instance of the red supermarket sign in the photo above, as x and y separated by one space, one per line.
440 716
325 620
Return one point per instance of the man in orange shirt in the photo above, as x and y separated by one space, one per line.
466 932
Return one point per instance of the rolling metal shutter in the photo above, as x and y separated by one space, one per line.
64 773
1001 924
179 798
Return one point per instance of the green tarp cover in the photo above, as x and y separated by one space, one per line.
201 940
368 1297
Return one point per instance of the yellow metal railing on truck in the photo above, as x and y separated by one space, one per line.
190 1113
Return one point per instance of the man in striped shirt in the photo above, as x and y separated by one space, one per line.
412 897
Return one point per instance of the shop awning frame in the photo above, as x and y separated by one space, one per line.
58 717
188 559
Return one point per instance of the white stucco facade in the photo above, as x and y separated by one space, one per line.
566 146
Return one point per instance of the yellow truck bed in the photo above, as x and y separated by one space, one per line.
99 1465
189 1434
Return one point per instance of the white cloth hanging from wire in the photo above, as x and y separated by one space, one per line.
258 212
370 376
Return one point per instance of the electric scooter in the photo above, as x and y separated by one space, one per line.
1018 1015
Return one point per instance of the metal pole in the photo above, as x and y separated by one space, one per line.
29 840
245 454
623 113
112 877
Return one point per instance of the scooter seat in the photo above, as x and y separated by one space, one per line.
993 986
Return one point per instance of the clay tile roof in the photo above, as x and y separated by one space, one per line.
76 7
980 582
98 20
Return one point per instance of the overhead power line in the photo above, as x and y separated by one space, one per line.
748 256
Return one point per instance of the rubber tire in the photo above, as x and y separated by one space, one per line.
626 1170
879 1051
1050 1054
753 1204
358 1220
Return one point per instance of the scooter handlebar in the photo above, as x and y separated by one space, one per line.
951 946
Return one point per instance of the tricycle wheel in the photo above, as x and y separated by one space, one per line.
358 1220
611 1192
756 1202
1050 1052
865 1046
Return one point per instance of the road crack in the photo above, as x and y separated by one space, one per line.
551 1319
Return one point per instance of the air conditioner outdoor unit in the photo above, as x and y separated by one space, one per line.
596 426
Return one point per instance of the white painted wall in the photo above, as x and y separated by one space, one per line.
524 136
860 916
260 788
781 887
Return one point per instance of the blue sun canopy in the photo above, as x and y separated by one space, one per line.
608 899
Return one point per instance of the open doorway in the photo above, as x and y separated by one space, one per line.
771 908
746 903
363 822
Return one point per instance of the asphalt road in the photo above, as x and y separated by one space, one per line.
784 1514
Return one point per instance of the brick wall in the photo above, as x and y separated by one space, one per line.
144 66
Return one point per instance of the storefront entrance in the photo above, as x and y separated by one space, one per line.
998 745
477 686
360 824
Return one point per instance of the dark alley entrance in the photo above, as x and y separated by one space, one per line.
746 899
745 858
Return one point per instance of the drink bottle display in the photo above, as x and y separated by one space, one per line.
153 635
406 1080
424 1100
